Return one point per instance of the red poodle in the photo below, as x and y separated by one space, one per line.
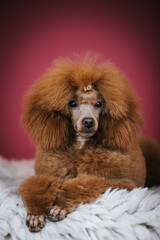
84 118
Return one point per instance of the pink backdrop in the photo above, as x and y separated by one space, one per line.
36 32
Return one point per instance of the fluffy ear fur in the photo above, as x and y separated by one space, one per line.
121 118
46 114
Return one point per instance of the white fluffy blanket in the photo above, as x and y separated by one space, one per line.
116 215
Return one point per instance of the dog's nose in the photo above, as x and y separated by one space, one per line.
88 122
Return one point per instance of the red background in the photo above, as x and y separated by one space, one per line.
33 33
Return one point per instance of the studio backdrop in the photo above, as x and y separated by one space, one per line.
34 33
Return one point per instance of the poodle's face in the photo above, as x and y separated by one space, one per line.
85 109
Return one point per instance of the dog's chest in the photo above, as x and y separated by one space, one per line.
80 142
100 162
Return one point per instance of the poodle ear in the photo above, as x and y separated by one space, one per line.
46 116
117 133
51 131
121 118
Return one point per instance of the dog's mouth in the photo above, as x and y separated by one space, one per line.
87 133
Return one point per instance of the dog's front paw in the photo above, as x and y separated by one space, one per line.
57 213
35 222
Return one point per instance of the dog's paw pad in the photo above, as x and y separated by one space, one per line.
56 214
35 223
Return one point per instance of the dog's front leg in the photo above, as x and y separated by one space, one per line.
38 194
84 189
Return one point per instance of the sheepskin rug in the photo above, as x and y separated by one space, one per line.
116 215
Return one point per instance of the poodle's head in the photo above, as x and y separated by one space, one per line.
85 98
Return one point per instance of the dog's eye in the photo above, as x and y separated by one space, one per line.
98 105
72 104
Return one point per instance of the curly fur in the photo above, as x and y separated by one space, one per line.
112 159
